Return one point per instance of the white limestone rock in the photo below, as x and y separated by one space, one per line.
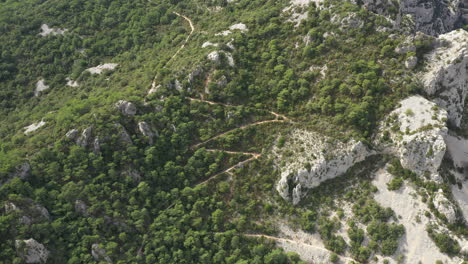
40 87
72 134
209 44
46 30
415 245
431 17
146 131
33 127
31 251
445 207
322 159
71 82
85 137
240 26
100 254
126 108
102 67
445 75
415 133
215 57
411 62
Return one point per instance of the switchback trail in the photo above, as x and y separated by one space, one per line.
241 127
277 116
237 165
192 27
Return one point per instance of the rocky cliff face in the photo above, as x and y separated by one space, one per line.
433 17
31 251
320 160
445 76
415 133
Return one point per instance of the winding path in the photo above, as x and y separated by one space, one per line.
192 27
278 118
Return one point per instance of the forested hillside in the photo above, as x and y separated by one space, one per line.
199 131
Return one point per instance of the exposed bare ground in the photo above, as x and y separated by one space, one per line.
307 251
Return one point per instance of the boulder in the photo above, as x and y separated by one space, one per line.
323 158
85 137
445 207
100 254
40 87
146 131
31 251
72 134
445 75
415 133
215 57
411 62
126 108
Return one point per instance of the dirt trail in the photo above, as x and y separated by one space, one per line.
241 127
192 27
229 170
277 116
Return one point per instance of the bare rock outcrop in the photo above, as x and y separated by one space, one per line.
445 207
100 254
72 134
322 159
146 131
415 133
84 139
445 76
126 108
31 251
432 17
215 57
